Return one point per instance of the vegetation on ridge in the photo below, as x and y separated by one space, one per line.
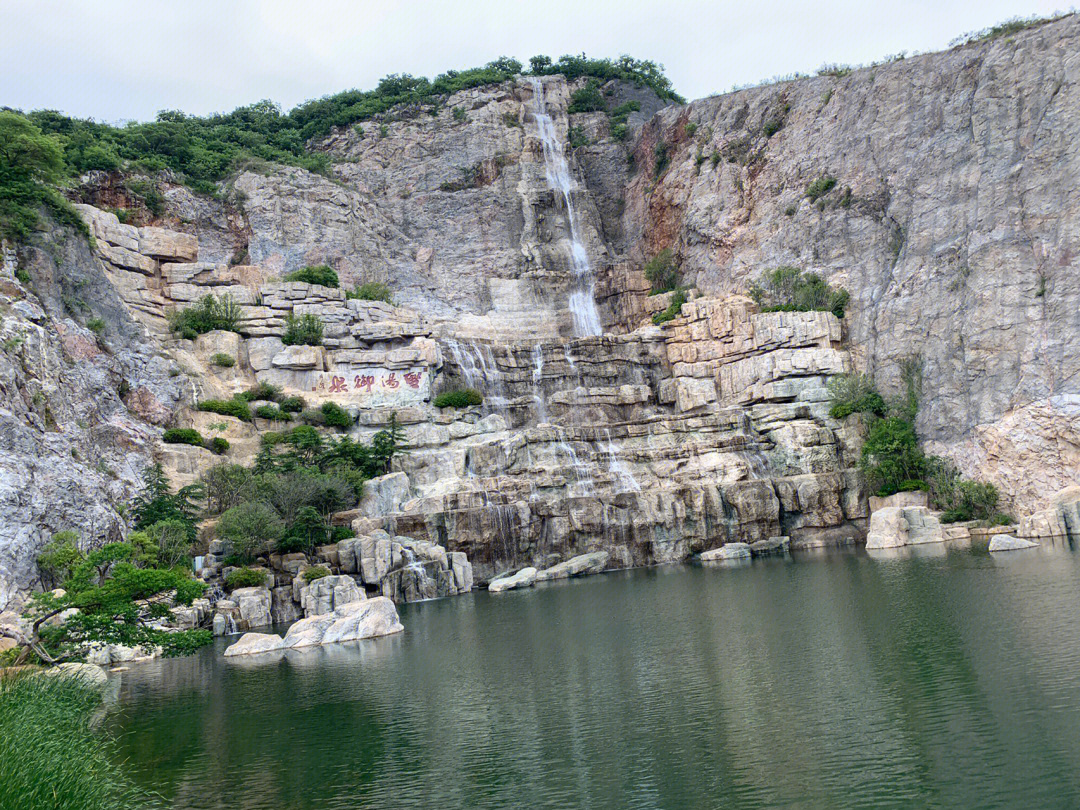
45 146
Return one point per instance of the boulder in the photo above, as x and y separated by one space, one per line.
327 594
522 579
463 573
895 526
254 643
369 619
88 674
774 545
579 566
254 606
728 551
356 620
1008 542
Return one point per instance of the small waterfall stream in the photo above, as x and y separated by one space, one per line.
582 303
478 367
625 478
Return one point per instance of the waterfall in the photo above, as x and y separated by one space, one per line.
478 367
581 470
625 478
537 377
424 583
582 303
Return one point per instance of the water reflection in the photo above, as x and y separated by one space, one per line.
903 680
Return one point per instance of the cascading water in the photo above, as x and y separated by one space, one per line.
478 367
425 585
582 303
537 377
618 470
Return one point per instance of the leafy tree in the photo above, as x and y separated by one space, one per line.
249 528
157 502
29 162
110 598
854 393
226 486
62 554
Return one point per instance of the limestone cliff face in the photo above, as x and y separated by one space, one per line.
954 223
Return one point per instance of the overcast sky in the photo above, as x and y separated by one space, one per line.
116 60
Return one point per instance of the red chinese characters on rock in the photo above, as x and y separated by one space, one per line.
337 385
412 378
363 381
391 381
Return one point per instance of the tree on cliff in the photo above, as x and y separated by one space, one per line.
29 162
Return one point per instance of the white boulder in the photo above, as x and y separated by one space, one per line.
522 579
1008 542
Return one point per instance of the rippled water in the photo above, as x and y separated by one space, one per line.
843 681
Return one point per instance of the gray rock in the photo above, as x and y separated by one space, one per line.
1007 542
522 579
728 551
582 565
772 546
254 644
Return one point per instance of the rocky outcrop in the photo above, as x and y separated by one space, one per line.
1060 519
581 566
951 223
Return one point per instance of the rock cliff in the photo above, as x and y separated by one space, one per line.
948 209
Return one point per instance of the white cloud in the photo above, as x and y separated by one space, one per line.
123 59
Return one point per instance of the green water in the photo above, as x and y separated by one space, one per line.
843 681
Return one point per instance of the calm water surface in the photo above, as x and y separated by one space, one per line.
845 681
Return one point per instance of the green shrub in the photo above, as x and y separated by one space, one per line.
335 416
322 274
208 314
960 499
577 137
53 752
263 391
272 412
772 126
788 289
662 158
315 572
820 187
227 407
690 129
587 98
339 533
673 310
164 544
662 272
223 360
292 404
182 436
245 578
459 113
96 325
306 330
891 455
226 486
219 445
854 393
249 527
461 398
371 291
60 556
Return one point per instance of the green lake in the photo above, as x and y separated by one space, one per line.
841 680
